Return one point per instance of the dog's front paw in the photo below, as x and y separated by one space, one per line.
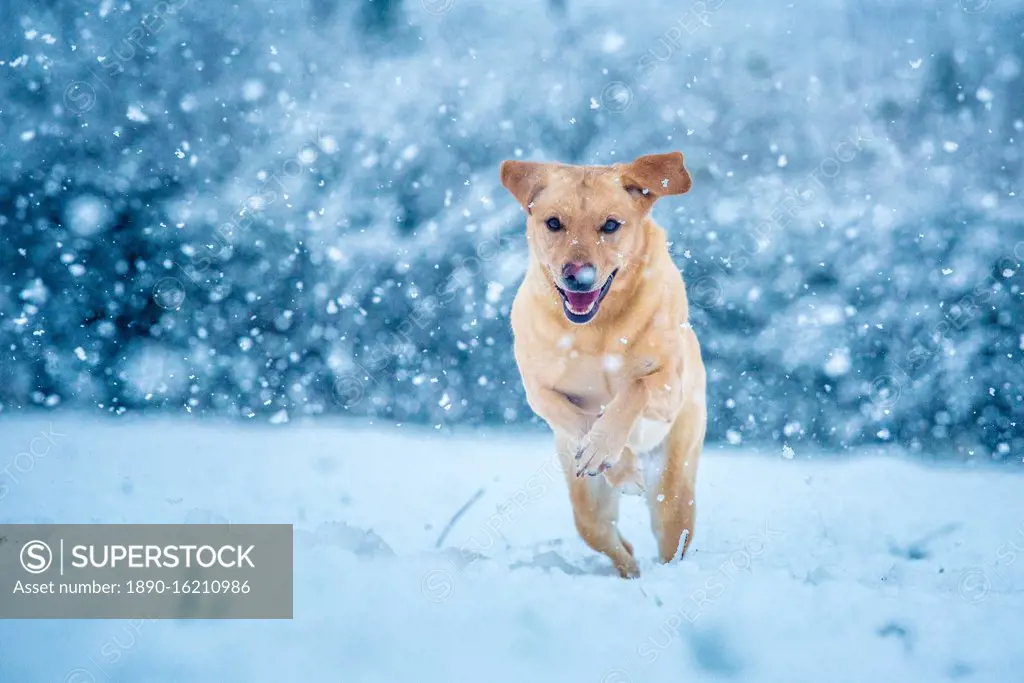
627 475
598 452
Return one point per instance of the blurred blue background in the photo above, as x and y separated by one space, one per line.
270 210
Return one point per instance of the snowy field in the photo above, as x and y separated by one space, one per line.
814 569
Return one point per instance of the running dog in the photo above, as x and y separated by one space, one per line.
604 346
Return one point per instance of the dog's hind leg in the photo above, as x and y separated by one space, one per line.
595 509
672 502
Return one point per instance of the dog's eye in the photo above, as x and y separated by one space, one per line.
610 226
554 225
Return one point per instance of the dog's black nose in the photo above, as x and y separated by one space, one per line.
579 277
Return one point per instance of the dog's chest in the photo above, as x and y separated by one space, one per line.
589 378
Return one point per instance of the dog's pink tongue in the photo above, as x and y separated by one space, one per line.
580 302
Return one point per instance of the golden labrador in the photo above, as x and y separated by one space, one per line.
604 346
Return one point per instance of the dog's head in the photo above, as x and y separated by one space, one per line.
586 225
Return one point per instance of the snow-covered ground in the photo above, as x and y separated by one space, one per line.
807 568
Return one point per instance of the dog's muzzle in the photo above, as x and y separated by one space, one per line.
580 303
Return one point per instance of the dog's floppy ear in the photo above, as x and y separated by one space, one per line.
655 175
524 179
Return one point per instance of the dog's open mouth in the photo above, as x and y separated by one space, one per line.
581 307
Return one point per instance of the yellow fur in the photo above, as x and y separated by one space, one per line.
635 369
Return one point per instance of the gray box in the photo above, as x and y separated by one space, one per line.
146 571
